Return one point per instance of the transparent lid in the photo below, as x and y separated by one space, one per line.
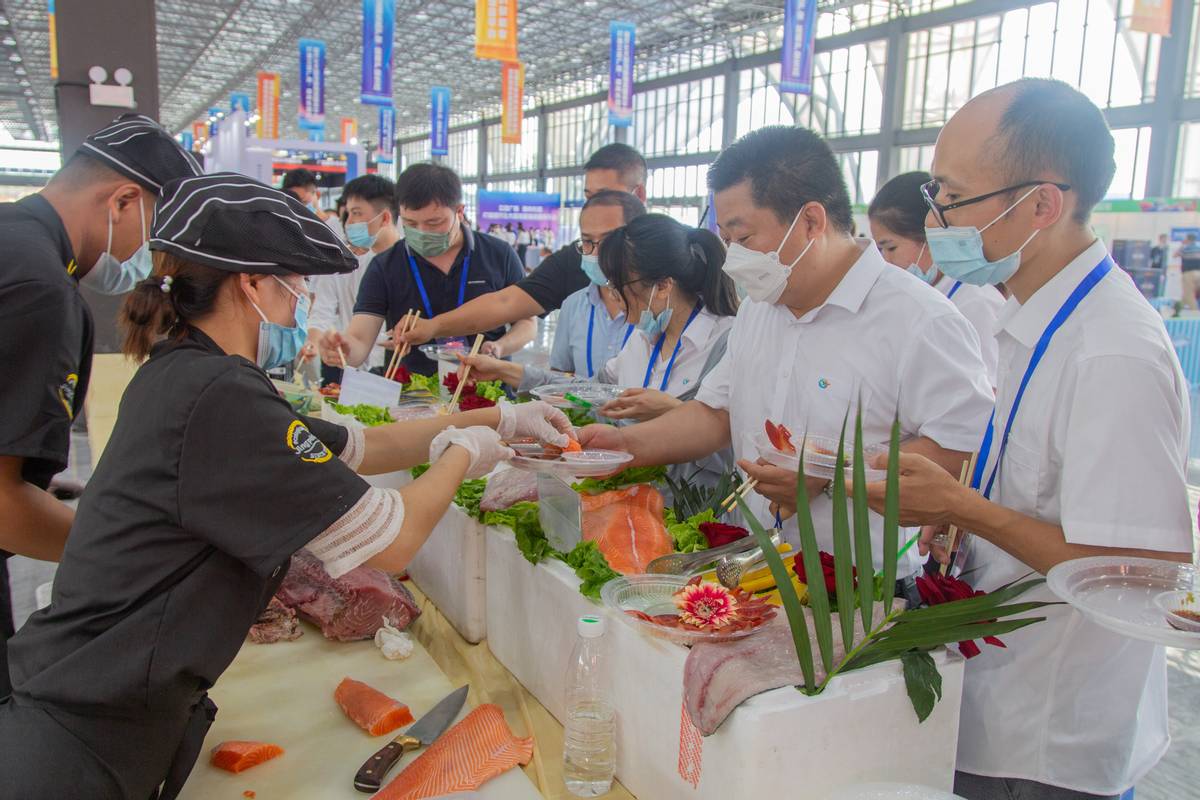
591 627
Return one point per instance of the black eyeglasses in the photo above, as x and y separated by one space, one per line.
931 190
586 246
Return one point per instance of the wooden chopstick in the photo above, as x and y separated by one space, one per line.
741 491
342 356
964 478
412 323
466 372
402 327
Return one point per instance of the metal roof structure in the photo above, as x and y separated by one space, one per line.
207 50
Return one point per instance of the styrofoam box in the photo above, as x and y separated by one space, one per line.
862 728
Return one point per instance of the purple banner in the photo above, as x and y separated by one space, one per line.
385 151
312 84
620 73
379 31
799 27
537 212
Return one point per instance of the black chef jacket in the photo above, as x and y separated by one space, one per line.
46 353
389 290
209 483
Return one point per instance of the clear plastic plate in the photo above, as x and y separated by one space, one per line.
588 464
588 391
1118 594
820 456
654 595
444 352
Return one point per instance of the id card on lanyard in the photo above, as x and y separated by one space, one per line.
591 330
675 354
416 273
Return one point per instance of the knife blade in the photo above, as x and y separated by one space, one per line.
421 733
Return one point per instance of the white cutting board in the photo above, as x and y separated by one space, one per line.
283 693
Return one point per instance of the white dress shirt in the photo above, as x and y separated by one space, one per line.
628 369
334 307
1099 446
882 336
980 305
580 311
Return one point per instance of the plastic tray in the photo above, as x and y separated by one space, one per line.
444 352
589 391
588 464
820 457
654 595
1118 594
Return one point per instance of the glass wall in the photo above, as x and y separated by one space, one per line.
414 153
1187 167
506 158
1133 158
573 134
678 120
464 152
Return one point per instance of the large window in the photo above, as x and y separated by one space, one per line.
912 159
522 185
1133 158
681 119
677 183
506 158
1187 168
464 152
861 171
573 134
1191 87
414 152
570 190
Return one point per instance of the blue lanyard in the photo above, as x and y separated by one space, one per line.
953 289
462 286
659 346
591 328
1081 291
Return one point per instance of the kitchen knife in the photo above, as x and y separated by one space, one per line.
420 734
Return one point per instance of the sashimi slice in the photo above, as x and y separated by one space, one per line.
371 709
463 758
236 756
627 527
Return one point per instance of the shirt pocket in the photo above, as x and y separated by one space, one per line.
1019 479
829 397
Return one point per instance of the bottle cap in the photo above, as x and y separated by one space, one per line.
591 627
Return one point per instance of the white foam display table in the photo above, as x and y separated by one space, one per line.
862 728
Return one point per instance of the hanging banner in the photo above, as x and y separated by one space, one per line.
187 140
268 105
385 150
53 39
799 27
496 29
199 131
349 129
536 212
1151 16
620 73
379 32
439 120
512 113
240 102
312 83
214 116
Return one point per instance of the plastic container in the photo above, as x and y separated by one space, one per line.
820 456
589 731
1181 609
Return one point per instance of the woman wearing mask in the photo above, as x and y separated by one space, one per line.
897 216
209 484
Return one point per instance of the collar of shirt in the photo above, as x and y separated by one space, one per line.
1026 322
40 209
854 286
944 284
598 303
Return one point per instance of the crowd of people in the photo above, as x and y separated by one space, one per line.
982 292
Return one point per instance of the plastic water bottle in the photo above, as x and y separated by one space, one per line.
590 744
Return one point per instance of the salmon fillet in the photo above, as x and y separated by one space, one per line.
236 756
462 759
627 526
371 710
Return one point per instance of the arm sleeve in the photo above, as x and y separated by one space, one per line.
555 279
513 271
372 292
324 309
364 531
255 481
534 377
1123 471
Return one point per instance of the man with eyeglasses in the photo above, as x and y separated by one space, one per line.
1085 454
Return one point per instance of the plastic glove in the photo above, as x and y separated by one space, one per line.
539 420
483 445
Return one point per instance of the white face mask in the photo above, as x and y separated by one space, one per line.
111 276
762 275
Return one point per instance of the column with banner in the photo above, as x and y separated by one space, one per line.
312 84
199 131
268 105
799 28
386 149
620 73
187 141
439 120
496 29
1151 16
239 101
379 31
512 91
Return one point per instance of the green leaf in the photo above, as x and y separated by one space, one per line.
686 534
419 470
862 527
580 417
929 636
891 517
966 616
368 415
810 555
843 558
469 495
787 594
691 499
985 602
522 519
923 682
591 567
630 477
490 390
424 383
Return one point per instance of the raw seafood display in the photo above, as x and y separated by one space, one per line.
371 709
780 438
507 488
474 751
627 526
350 607
704 606
276 623
237 756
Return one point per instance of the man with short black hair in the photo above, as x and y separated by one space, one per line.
438 266
302 183
1093 464
615 166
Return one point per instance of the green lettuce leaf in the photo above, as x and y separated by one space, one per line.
490 390
419 470
368 415
591 567
630 477
424 383
687 535
469 495
522 520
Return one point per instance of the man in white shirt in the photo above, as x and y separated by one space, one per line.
1094 461
826 322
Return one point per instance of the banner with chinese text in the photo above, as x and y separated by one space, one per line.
312 83
799 26
268 105
379 32
496 29
439 120
620 73
512 90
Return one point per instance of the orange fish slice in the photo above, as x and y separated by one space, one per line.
462 759
236 756
627 527
371 710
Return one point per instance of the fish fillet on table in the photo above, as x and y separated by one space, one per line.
627 526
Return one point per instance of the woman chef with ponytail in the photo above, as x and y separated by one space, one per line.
209 484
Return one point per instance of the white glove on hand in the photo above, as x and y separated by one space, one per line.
482 443
539 420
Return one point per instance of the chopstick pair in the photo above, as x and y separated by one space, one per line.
466 374
742 491
964 479
404 326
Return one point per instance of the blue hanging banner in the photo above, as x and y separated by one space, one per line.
214 116
312 84
385 151
187 141
799 27
240 101
439 120
378 33
620 73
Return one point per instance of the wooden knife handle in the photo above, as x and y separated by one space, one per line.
371 774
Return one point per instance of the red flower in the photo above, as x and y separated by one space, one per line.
718 533
402 374
451 381
827 570
936 588
472 401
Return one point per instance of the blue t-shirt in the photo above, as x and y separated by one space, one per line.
570 350
389 290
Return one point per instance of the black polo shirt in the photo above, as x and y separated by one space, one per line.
389 289
558 277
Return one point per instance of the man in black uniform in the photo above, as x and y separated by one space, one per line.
615 166
93 215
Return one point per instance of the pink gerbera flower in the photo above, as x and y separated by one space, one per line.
706 605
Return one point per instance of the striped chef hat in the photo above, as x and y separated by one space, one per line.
141 150
231 222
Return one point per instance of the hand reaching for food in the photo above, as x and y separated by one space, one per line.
640 405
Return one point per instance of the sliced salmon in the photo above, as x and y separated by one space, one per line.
573 446
236 756
627 526
462 759
371 709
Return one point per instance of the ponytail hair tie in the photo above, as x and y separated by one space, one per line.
166 283
698 252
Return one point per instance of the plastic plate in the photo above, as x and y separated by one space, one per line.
820 456
654 595
441 352
588 391
588 464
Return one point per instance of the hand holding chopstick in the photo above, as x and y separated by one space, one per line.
964 478
466 373
742 491
400 351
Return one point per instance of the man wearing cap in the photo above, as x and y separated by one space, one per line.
91 222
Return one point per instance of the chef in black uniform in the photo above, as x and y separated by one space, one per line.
209 484
91 221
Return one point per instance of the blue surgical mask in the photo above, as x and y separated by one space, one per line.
653 325
279 345
110 276
927 275
359 233
958 252
591 268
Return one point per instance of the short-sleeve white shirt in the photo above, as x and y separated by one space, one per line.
980 305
